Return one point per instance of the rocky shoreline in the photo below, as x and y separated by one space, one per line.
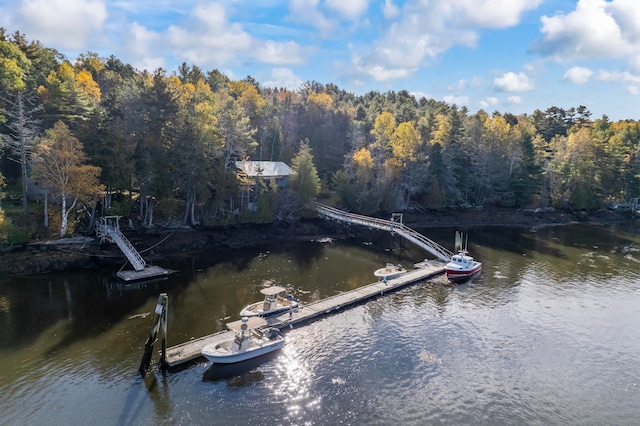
158 243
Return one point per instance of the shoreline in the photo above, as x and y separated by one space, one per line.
82 253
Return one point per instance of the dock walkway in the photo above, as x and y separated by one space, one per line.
398 228
191 350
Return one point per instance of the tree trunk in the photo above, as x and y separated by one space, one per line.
193 210
65 214
185 216
92 219
149 219
23 157
46 208
189 209
63 226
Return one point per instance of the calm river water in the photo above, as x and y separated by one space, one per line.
548 334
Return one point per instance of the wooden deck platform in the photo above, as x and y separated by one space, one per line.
191 350
147 273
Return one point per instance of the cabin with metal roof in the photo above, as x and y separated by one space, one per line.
272 172
267 170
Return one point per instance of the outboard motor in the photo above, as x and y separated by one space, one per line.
274 333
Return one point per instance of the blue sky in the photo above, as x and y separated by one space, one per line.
506 55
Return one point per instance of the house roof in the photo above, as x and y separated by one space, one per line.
264 168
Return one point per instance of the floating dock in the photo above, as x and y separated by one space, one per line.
147 273
191 350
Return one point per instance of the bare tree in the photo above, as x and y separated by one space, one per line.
23 129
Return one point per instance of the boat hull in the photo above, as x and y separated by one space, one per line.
462 279
389 272
462 273
217 353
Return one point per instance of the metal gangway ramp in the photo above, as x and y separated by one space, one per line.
108 228
387 225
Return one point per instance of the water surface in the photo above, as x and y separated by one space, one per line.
547 334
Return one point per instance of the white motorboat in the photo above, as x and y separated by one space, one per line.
250 341
274 302
461 266
390 272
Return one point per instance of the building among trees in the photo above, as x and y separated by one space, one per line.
273 174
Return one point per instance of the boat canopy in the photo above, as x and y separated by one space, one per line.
274 289
251 322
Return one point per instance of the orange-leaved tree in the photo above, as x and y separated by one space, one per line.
61 164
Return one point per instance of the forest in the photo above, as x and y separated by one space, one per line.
94 136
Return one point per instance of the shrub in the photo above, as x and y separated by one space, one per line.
18 234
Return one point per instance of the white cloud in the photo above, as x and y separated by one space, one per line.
512 82
577 75
140 47
381 73
283 77
351 9
418 94
426 29
306 12
208 38
616 76
390 10
633 90
271 52
458 100
488 13
64 24
596 29
466 84
514 100
488 102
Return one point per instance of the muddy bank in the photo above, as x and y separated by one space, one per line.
492 216
157 244
154 245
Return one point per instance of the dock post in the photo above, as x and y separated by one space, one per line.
163 322
148 349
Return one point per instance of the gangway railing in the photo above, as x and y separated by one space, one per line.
108 227
387 225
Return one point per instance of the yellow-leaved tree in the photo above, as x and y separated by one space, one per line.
61 164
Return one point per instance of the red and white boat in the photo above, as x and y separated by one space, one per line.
461 266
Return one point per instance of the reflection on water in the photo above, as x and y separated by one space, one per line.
546 334
238 374
468 280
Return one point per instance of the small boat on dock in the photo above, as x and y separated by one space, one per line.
390 271
461 266
274 302
250 341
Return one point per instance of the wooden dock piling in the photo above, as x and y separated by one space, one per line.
159 320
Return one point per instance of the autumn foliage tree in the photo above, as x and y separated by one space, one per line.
61 164
170 140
